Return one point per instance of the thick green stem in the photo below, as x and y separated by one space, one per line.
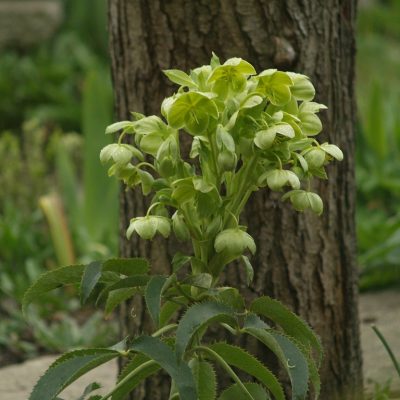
214 156
164 329
245 186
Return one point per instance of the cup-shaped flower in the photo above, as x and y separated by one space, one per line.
315 158
303 200
234 241
119 153
147 227
231 76
192 111
277 178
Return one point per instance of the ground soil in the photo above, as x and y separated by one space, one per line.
381 309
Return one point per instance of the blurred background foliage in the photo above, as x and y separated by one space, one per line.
378 143
57 205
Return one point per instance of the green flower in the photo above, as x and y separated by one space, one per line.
303 200
231 76
192 111
234 241
147 227
119 153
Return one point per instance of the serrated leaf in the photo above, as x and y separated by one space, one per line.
153 296
71 274
127 266
68 368
163 355
89 389
235 392
126 386
239 358
179 261
205 378
297 365
130 282
197 316
288 321
168 309
116 297
90 277
289 354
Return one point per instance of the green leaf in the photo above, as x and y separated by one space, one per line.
68 368
288 321
297 365
302 87
116 297
249 270
163 355
147 181
179 260
180 77
252 101
71 274
133 281
90 277
118 126
239 358
310 123
291 356
89 389
168 309
151 143
205 378
126 386
127 266
265 138
198 316
153 296
333 151
235 392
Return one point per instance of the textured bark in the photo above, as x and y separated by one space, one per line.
306 261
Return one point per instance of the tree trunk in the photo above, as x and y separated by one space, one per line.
308 262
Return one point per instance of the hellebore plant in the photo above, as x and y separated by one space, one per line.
247 132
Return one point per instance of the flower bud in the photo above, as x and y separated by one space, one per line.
227 161
303 200
179 226
315 158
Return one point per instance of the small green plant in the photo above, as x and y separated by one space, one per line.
382 391
247 132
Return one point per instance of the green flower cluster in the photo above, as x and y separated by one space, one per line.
247 130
